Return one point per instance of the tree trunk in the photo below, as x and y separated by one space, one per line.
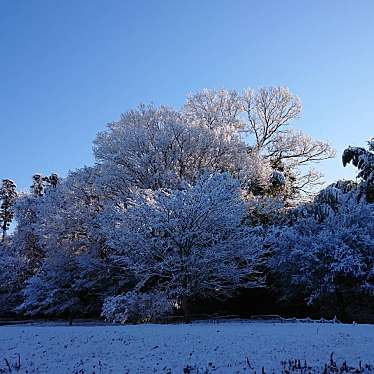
70 319
186 309
4 233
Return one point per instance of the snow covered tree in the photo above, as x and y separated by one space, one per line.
218 111
324 253
28 213
74 263
12 277
53 180
187 243
26 237
327 264
262 119
364 160
37 186
153 148
51 291
40 183
8 196
194 204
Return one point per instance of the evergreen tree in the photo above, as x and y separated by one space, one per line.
8 196
363 159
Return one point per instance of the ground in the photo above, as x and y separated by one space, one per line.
225 347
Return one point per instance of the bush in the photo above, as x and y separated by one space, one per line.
137 307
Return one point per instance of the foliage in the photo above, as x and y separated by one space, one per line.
192 204
187 243
8 196
364 160
137 307
326 256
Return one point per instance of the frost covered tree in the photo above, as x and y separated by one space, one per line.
323 255
74 275
194 203
8 196
153 148
187 243
51 292
263 119
327 264
26 237
40 183
363 159
216 110
12 277
53 180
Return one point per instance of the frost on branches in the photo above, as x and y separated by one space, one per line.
192 204
74 275
12 277
324 255
188 243
262 119
137 307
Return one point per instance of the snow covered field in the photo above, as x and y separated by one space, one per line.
228 347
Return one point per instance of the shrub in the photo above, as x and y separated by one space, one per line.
137 307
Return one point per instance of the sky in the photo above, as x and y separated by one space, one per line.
69 67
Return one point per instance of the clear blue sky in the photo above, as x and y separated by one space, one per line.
69 67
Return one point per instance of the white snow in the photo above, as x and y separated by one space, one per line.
148 348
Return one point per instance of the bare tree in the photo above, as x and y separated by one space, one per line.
262 119
269 110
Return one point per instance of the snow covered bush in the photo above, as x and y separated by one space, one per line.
264 210
137 307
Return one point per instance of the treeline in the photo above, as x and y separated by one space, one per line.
212 207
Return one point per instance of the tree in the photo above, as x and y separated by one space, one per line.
8 196
153 148
190 204
187 243
29 213
218 111
12 277
73 275
51 291
26 239
324 254
40 183
262 119
364 160
327 264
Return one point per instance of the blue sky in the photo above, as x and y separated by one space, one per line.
69 67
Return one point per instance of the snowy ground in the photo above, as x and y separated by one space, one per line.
218 347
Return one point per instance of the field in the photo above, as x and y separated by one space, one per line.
204 347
